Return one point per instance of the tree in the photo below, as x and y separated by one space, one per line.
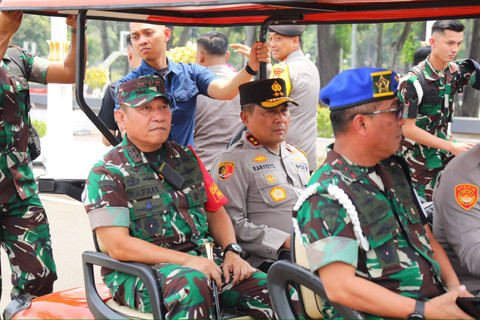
471 97
328 59
379 56
104 35
398 45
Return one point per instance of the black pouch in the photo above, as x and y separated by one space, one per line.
34 147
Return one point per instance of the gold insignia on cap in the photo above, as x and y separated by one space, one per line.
382 85
277 88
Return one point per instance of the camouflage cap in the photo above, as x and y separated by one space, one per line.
267 93
137 92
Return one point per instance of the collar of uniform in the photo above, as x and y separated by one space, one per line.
350 170
250 140
432 73
294 55
136 156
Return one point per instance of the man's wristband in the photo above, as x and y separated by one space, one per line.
74 30
250 71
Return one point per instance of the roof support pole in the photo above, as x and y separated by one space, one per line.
80 75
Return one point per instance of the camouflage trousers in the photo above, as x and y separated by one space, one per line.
25 236
187 294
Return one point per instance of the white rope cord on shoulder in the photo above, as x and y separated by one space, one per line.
352 213
418 88
307 193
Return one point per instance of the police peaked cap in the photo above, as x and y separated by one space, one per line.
289 30
267 93
354 87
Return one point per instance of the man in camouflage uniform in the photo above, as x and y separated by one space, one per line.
147 202
25 235
262 175
428 147
361 223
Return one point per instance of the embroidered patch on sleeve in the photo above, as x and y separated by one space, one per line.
278 194
260 158
216 193
225 169
466 195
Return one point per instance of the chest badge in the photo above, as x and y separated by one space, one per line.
270 178
466 195
225 169
278 194
260 158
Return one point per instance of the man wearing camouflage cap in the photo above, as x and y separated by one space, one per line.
147 202
262 175
362 225
303 85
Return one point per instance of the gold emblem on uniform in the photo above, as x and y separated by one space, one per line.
270 178
382 84
277 89
466 195
260 158
225 169
278 194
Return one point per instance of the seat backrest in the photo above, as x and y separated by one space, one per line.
312 303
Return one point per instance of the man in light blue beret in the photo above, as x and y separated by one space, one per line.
364 231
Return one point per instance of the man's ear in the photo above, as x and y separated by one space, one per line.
168 33
121 118
360 124
245 116
200 56
431 41
227 56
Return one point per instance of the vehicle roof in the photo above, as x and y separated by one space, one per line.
248 12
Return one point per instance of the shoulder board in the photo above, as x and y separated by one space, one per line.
253 141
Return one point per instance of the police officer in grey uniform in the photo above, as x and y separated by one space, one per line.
262 175
456 218
303 85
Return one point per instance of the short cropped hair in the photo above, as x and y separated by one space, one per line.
421 54
341 118
129 41
442 25
249 107
214 42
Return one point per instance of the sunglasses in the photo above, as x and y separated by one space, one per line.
398 112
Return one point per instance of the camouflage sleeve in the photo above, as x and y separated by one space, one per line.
470 69
327 232
407 94
105 200
39 69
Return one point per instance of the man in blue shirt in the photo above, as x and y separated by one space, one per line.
185 81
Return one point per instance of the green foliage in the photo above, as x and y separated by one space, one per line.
324 126
34 29
96 77
40 126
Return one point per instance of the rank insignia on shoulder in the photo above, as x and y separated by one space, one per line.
253 140
278 194
260 158
225 169
270 178
466 195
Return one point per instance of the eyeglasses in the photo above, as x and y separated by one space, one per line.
398 112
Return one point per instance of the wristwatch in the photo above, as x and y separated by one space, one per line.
418 312
234 247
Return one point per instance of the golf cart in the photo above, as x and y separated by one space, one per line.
94 300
